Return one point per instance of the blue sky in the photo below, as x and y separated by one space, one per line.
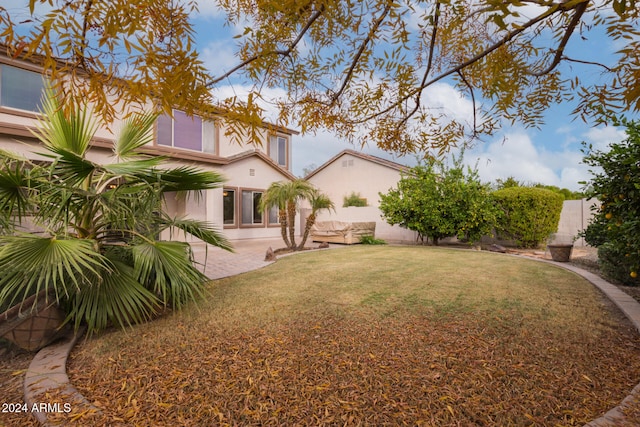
550 155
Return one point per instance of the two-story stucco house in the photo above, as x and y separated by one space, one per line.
249 169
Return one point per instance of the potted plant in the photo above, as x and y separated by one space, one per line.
34 322
560 247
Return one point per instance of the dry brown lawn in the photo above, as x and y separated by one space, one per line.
371 336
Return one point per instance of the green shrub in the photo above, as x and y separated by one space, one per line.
615 228
354 199
528 215
370 240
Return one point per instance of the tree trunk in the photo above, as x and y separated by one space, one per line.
282 215
291 210
310 221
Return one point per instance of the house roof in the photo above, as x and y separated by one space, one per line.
368 157
262 156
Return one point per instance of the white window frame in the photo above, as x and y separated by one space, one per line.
275 150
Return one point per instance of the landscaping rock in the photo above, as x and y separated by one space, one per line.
270 256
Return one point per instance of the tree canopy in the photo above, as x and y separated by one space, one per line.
362 69
438 201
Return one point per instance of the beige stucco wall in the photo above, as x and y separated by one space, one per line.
349 173
254 174
575 217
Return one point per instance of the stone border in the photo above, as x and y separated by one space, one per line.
47 371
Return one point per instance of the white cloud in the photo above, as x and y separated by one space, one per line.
514 156
601 137
208 9
447 99
517 155
218 57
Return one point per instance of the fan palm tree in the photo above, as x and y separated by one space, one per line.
97 246
286 196
318 201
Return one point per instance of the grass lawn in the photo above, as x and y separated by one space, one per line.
371 336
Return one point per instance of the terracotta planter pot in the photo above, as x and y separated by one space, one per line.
30 326
560 252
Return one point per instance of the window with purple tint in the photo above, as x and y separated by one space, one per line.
190 133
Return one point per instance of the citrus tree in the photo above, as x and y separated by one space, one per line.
362 69
89 233
438 201
615 227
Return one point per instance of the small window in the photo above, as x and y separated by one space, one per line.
229 207
278 150
251 214
20 88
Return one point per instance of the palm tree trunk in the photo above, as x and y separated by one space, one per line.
282 214
291 208
310 221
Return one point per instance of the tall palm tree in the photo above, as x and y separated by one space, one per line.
286 196
318 201
97 244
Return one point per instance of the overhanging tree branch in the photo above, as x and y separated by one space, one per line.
345 82
575 20
556 8
427 71
286 52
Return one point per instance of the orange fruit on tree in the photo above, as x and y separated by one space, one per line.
633 274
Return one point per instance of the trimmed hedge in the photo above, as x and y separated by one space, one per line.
528 215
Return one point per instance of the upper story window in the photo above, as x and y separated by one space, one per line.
190 133
278 146
20 89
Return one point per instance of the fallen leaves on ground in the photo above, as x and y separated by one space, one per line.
331 369
13 365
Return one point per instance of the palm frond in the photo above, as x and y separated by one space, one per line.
203 230
69 167
56 130
33 263
138 167
166 268
320 201
15 191
115 298
184 178
135 133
